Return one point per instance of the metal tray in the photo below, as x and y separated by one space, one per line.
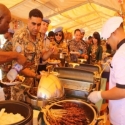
75 74
93 68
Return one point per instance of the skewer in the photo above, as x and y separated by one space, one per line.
2 111
57 113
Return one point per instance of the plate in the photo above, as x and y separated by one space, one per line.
53 62
82 60
74 52
21 78
11 83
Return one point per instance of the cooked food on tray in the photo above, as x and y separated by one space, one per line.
67 113
9 118
54 60
18 79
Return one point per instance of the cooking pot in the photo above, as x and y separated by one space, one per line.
31 97
18 107
90 111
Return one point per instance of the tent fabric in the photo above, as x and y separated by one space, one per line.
70 14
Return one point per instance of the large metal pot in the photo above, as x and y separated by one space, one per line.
31 97
90 112
18 107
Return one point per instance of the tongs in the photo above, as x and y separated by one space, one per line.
91 89
49 68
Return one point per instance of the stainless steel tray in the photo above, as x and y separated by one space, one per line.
93 68
75 88
75 74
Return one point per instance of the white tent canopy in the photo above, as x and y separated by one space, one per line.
70 14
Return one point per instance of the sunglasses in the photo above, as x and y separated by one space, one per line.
57 34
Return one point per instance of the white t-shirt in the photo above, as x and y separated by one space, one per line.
117 78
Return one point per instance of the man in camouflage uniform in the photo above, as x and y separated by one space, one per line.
76 45
28 41
46 43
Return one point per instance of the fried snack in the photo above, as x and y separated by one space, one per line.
18 79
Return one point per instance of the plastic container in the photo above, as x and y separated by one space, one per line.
12 74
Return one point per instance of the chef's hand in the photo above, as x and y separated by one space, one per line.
95 96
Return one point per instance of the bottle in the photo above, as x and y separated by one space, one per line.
66 64
12 74
62 59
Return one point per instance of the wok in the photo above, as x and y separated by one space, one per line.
89 110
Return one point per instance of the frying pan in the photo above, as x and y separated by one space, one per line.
90 111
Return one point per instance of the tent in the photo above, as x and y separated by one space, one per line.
89 15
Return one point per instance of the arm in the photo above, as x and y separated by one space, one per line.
29 73
9 56
47 54
113 94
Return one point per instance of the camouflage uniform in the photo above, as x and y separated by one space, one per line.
61 46
32 51
6 47
6 66
77 46
95 54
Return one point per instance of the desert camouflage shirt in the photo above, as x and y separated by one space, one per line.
30 49
79 46
7 46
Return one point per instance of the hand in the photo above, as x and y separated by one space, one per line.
20 59
38 77
95 96
52 49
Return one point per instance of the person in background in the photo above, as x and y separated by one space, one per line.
5 18
61 49
113 31
90 41
95 50
82 38
59 41
46 43
28 41
51 36
76 45
82 33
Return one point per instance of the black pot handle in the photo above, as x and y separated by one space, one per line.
33 107
98 120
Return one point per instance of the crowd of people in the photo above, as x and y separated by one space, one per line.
38 47
35 47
